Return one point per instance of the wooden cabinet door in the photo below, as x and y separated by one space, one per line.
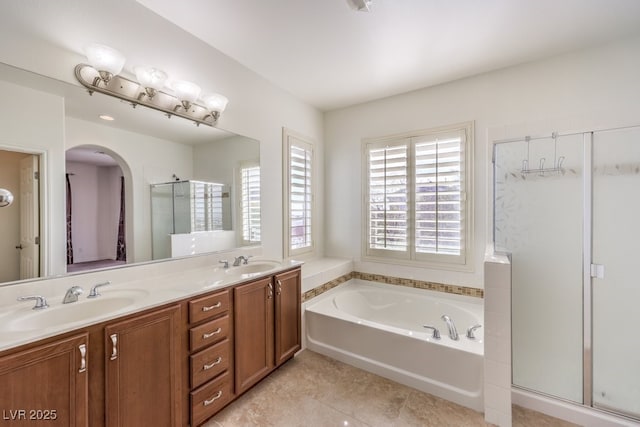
253 323
287 316
142 369
46 385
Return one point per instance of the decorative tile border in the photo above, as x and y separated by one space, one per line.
325 287
398 281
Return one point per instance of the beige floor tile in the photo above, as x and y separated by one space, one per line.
312 390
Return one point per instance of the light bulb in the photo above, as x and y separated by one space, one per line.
151 79
106 60
215 102
186 91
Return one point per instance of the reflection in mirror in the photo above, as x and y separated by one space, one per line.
95 210
190 217
145 148
20 220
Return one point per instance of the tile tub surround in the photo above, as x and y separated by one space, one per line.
314 390
398 281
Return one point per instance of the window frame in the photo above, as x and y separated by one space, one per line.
239 204
462 262
290 138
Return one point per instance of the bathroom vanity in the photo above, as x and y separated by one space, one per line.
174 364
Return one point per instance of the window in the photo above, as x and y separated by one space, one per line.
206 206
250 203
299 236
416 203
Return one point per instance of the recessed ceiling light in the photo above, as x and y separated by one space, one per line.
107 118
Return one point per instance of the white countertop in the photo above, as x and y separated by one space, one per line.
145 289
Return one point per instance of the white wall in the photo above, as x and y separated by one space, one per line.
10 216
33 121
95 198
597 87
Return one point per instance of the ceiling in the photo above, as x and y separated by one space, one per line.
331 56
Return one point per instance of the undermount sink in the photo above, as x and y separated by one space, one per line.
253 268
83 309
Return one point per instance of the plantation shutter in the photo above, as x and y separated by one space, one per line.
250 204
300 195
206 206
439 194
388 199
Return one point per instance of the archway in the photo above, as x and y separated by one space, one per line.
98 208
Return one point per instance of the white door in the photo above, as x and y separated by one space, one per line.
29 218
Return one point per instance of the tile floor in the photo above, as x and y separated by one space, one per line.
315 391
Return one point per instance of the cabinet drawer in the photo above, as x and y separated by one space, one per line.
208 307
209 363
210 398
209 333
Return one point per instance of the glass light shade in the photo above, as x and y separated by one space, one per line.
150 77
216 102
104 58
186 91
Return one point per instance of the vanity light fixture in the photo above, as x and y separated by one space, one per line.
186 92
151 79
102 75
107 61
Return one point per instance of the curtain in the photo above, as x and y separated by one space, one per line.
69 242
121 249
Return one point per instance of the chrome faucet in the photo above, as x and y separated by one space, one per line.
225 262
471 330
41 303
72 294
238 260
453 332
94 291
436 332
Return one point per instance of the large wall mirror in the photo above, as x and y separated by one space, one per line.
115 185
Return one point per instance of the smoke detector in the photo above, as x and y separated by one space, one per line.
360 5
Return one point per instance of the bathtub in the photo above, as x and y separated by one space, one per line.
379 328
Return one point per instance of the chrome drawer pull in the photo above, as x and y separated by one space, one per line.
83 357
213 399
216 332
214 363
114 346
211 307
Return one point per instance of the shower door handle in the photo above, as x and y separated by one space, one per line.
597 271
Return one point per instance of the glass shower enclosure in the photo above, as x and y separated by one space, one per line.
181 207
567 208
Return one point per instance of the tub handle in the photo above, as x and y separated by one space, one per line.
436 332
471 330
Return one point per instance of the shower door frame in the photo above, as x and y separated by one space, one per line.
587 261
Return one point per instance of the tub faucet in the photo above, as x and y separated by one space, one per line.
453 332
436 332
72 294
471 330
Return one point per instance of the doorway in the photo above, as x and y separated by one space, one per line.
96 210
20 246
